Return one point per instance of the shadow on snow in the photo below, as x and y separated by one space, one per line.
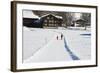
73 56
86 34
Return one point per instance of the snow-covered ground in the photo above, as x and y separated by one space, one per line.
34 39
41 45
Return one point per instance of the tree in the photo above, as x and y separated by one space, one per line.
87 18
70 17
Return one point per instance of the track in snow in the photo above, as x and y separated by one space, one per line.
73 56
55 50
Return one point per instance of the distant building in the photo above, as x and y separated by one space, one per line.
79 22
48 20
51 20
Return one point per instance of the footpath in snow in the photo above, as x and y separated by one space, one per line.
41 45
55 50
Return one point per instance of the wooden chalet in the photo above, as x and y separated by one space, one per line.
48 20
51 20
79 22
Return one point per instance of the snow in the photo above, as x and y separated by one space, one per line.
34 39
88 28
41 45
52 15
57 16
51 52
29 14
79 44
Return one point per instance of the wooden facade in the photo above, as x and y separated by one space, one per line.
52 20
49 20
80 23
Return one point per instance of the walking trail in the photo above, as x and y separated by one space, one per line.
55 50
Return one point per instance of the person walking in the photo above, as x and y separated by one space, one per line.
57 37
61 36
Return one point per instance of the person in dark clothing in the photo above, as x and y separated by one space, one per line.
61 36
57 37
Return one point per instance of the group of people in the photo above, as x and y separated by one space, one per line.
61 36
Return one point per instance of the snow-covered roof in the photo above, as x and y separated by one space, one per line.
52 15
80 20
58 17
29 14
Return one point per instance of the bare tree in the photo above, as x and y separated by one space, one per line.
87 18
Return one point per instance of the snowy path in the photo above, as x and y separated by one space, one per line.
55 50
76 45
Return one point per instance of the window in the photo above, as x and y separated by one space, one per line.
48 18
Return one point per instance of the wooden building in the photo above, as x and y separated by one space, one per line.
51 20
48 20
79 22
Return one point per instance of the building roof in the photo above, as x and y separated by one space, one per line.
59 17
80 20
29 14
